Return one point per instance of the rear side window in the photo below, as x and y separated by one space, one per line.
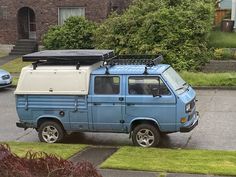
107 85
144 85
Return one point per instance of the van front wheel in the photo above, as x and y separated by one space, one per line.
50 132
146 135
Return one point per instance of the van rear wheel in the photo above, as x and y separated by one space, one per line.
146 135
50 132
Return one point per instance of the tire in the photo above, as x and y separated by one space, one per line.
50 132
146 135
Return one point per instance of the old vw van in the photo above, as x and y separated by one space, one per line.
68 91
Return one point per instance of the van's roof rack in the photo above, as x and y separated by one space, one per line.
148 60
68 57
88 57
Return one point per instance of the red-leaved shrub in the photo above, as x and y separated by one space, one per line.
40 164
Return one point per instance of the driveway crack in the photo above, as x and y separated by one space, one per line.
17 139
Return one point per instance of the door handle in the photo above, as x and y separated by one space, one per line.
121 99
96 104
130 104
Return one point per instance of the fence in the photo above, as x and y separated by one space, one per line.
220 14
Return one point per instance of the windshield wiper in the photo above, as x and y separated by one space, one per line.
183 86
180 88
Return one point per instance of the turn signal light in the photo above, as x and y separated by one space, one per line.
183 120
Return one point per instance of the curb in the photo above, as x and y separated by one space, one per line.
214 87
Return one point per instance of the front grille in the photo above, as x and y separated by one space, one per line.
192 107
5 77
192 104
190 117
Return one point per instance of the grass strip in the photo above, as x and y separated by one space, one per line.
209 79
174 161
2 54
220 39
15 81
64 151
15 66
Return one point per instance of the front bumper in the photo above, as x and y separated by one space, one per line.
191 126
6 84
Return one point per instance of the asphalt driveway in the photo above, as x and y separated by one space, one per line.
216 130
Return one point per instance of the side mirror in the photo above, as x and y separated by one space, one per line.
155 92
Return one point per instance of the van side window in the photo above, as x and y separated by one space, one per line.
140 85
107 85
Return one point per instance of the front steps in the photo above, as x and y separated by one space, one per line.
24 46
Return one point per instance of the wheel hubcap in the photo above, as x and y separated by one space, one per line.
145 138
50 134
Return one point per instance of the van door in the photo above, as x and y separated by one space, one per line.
79 115
107 103
140 102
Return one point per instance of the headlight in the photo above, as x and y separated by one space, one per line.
5 77
188 108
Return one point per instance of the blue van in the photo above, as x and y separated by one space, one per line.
67 91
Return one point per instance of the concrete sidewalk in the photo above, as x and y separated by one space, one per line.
7 58
98 154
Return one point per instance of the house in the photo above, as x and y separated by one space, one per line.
30 19
225 4
226 8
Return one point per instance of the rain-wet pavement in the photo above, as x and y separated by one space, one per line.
216 129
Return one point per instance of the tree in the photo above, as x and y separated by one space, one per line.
75 33
178 29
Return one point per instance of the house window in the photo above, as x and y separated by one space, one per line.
3 12
66 12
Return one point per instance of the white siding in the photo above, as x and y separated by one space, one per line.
226 4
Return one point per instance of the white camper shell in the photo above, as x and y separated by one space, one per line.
56 79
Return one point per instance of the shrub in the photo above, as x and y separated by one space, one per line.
224 54
179 29
75 33
41 165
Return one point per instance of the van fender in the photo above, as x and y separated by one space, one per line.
48 117
147 119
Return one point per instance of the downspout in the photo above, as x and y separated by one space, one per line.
233 11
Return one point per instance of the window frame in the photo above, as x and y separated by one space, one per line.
149 76
3 12
68 7
111 76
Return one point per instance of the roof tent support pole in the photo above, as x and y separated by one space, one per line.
78 66
107 71
146 70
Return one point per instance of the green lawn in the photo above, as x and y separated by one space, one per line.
2 54
15 66
168 160
62 150
210 79
220 39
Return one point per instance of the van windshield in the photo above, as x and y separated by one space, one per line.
178 84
